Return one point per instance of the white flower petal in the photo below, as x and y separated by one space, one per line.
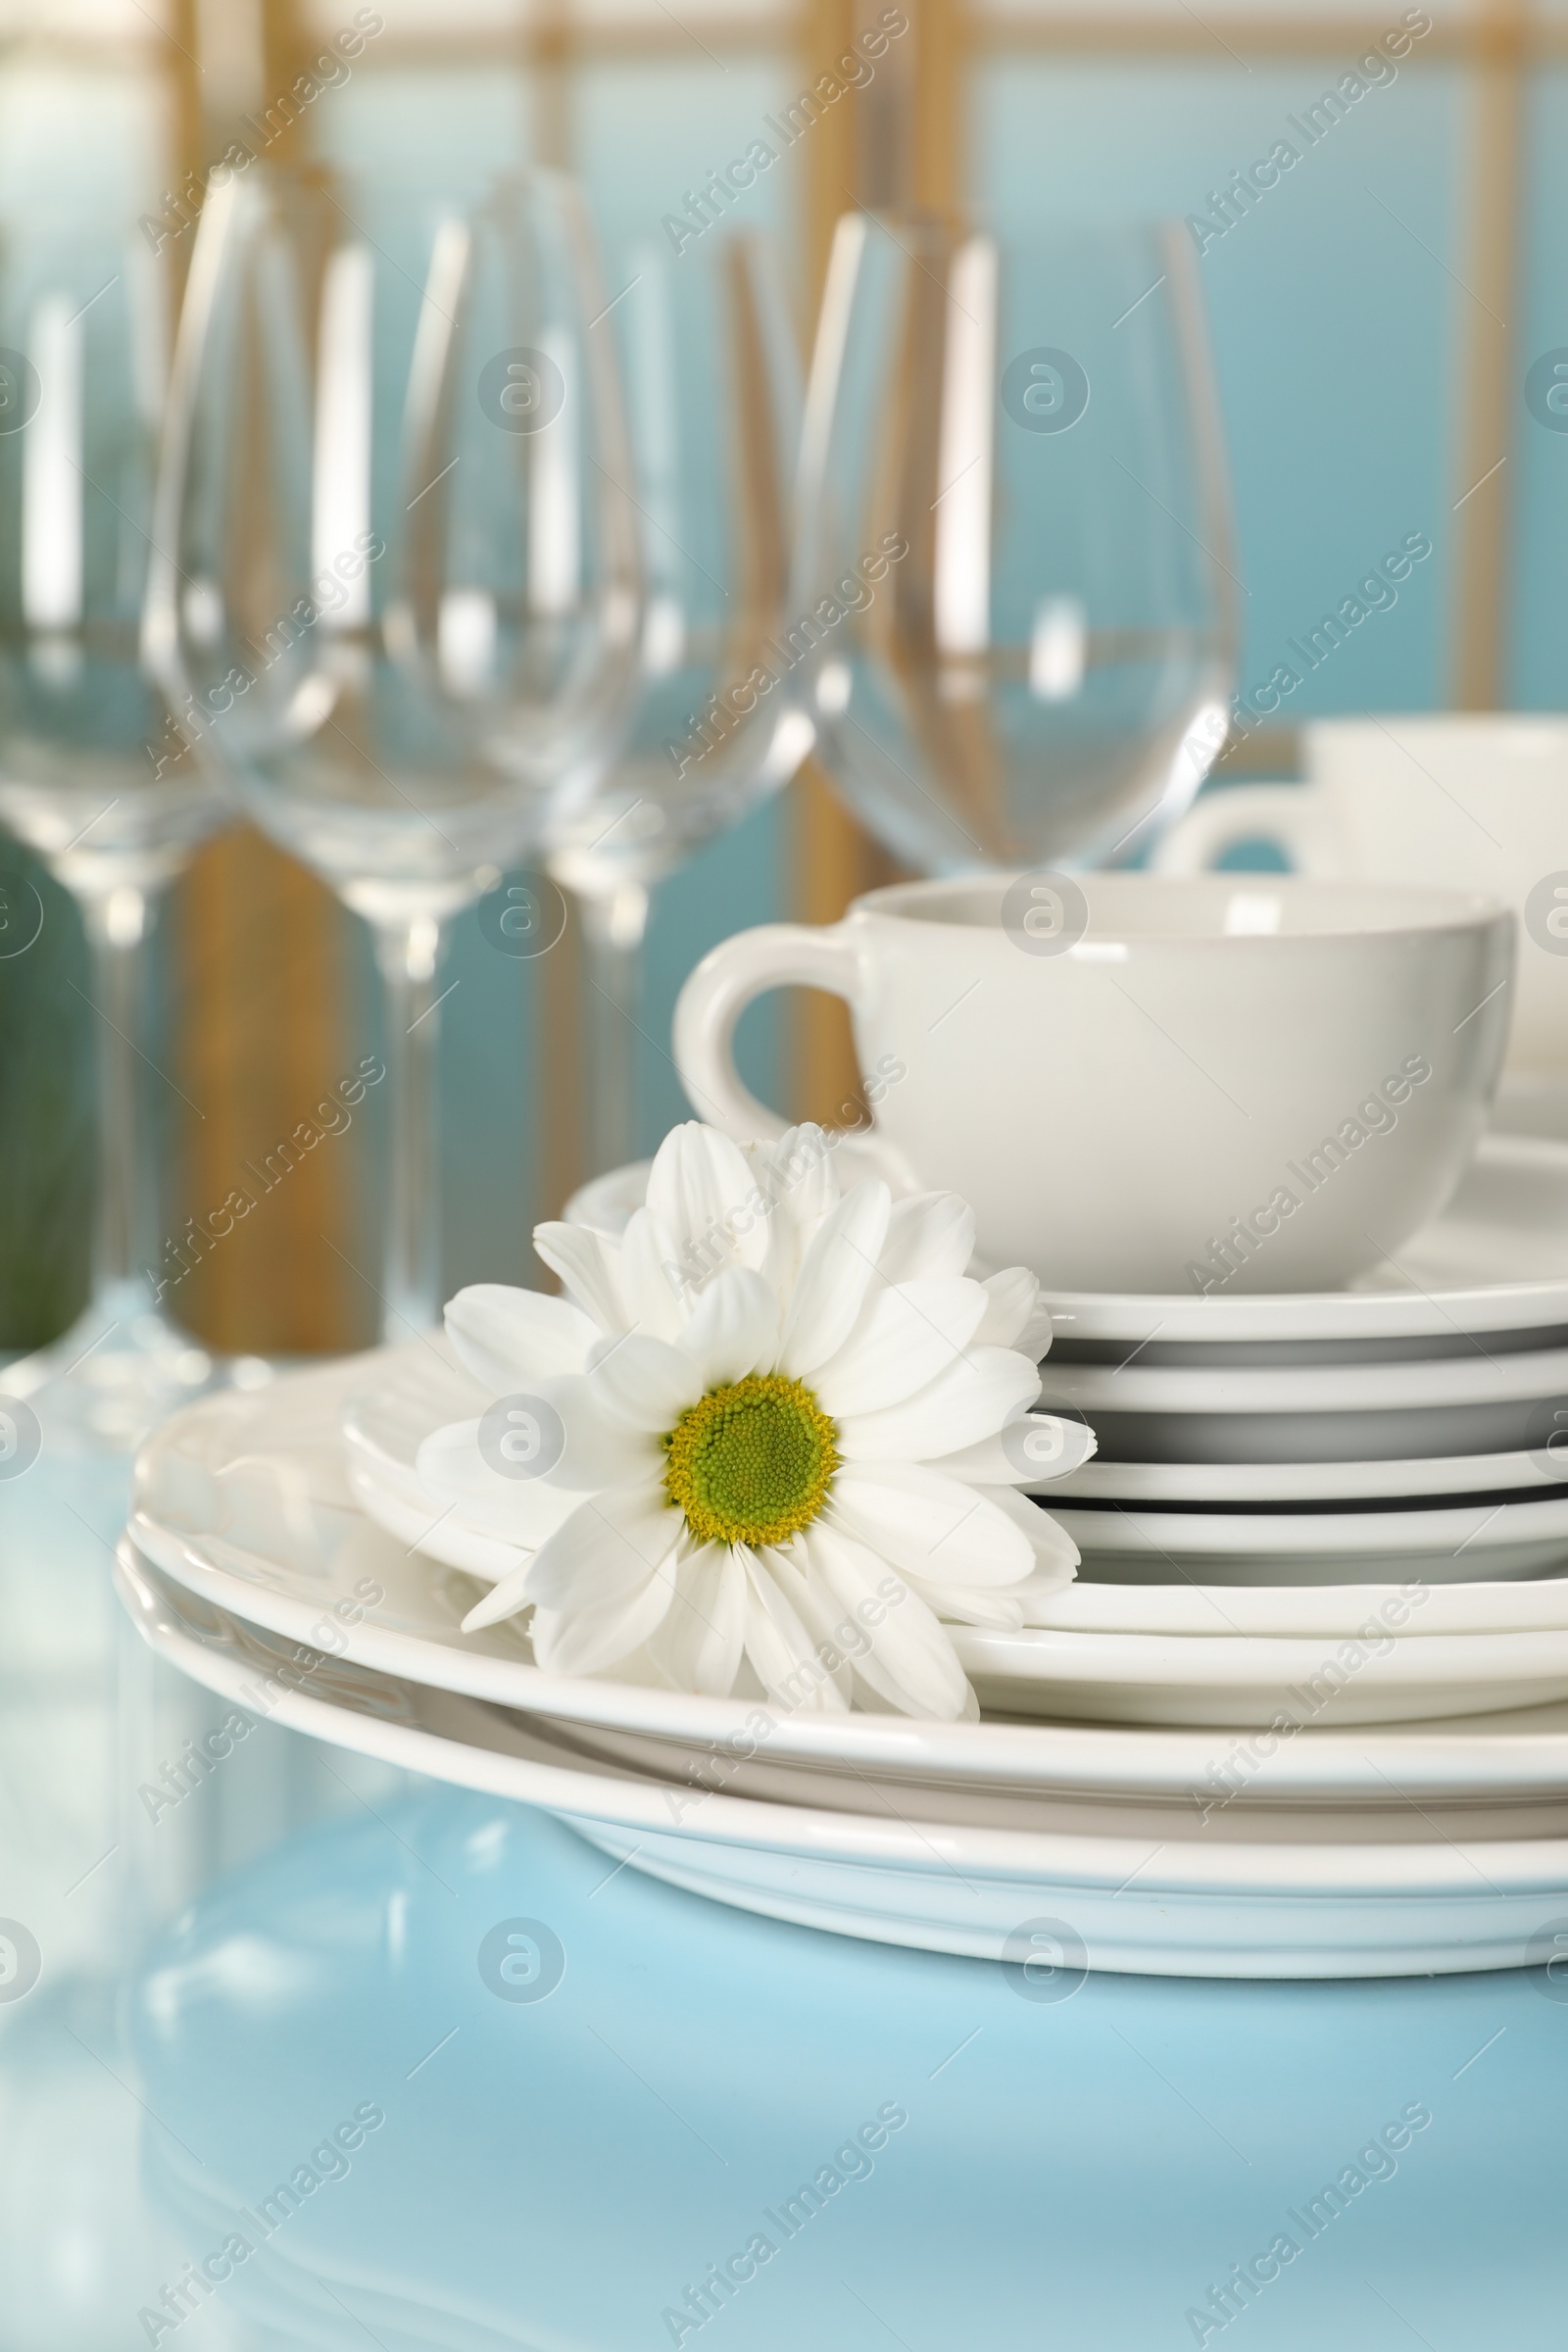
600 1446
648 1284
906 1336
1039 1595
909 1662
511 1338
591 1641
799 1176
521 1511
930 1526
932 1232
734 1330
971 1605
1055 1553
589 1266
701 1641
964 1403
839 1640
504 1600
610 1546
446 1532
1034 1341
780 1642
645 1383
833 1279
699 1191
1031 1449
1010 1298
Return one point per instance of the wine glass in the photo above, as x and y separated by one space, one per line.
713 374
398 594
94 778
1013 540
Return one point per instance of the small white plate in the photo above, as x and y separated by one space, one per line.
1496 1260
1133 1902
1514 1404
1252 1683
1463 1545
1434 1432
1473 1379
1413 1482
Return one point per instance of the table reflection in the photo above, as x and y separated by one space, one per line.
443 2078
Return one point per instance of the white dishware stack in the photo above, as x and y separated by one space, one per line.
1304 1716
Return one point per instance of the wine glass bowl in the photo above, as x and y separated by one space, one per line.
715 401
400 626
709 360
93 778
1015 567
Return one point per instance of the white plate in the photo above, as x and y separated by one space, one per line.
1131 1903
1324 1412
1464 1545
1430 1433
1496 1260
1251 1682
1491 1776
1473 1379
243 1501
1411 1482
1079 1672
307 1593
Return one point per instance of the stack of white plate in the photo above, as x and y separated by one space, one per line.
1303 1713
1412 1428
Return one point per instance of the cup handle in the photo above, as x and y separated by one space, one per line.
736 973
1293 815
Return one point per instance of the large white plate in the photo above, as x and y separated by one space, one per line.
1228 1908
1496 1260
243 1501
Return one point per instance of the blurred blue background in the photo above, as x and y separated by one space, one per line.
1373 318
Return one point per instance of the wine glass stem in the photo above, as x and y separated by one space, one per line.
126 1246
614 924
409 955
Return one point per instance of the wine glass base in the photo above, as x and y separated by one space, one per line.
122 1367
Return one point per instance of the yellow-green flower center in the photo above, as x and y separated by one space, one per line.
750 1463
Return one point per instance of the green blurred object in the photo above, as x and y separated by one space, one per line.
46 1140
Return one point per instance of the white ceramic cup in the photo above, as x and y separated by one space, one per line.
1148 1085
1455 803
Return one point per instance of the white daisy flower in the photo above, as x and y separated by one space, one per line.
782 1430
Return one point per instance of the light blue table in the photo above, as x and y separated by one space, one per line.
559 2171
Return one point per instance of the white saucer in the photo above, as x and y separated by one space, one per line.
1476 1378
1496 1260
1479 1404
1456 1546
1413 1482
